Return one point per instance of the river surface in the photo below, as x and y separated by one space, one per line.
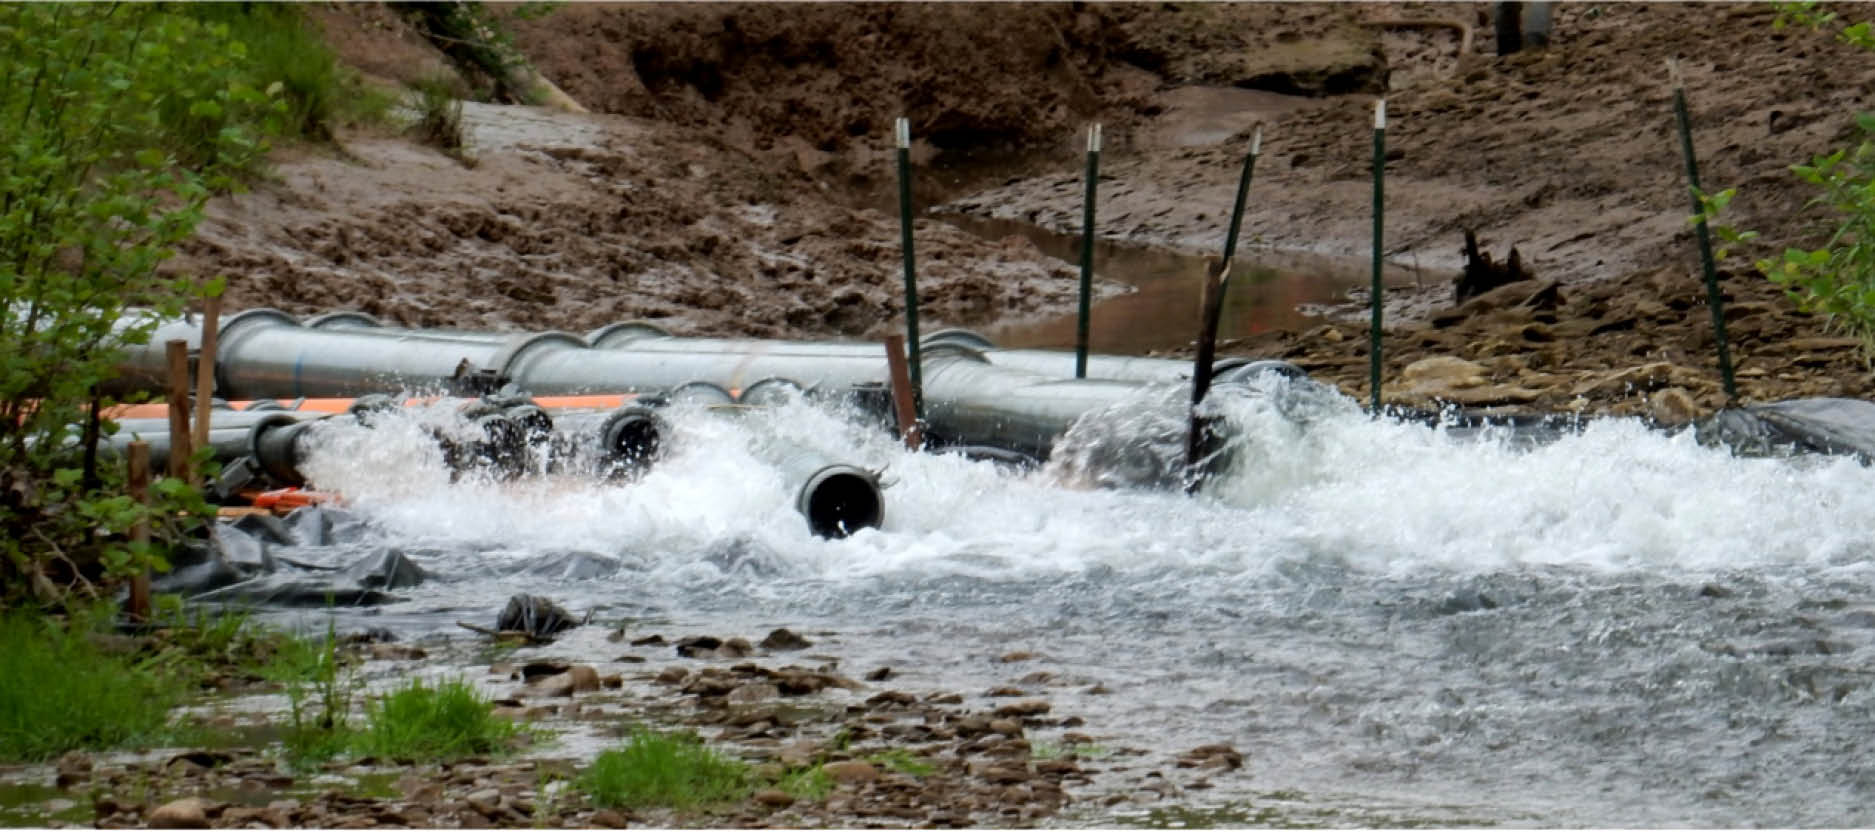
1395 626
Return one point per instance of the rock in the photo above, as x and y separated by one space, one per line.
396 651
558 685
1637 379
1216 755
1026 708
73 767
693 646
672 675
851 772
879 675
608 818
654 639
612 681
1005 691
735 648
1672 406
584 678
487 802
773 798
752 693
1016 656
182 814
1005 726
799 753
536 669
782 639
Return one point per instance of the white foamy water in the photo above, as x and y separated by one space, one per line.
1339 487
1394 624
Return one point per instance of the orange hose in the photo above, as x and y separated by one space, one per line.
604 401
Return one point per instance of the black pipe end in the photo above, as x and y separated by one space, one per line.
841 501
630 441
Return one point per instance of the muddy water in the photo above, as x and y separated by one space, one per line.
1395 627
1268 290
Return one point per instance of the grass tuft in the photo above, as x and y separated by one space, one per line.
59 692
664 770
418 722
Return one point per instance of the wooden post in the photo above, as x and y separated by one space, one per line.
205 369
140 492
902 398
180 450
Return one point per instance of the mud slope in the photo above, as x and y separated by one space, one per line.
571 221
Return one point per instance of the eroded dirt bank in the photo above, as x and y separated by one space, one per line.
714 190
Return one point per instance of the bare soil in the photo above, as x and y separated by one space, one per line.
721 185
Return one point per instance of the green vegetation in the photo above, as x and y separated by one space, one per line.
901 761
59 691
806 783
664 770
117 122
1836 280
439 117
424 723
319 690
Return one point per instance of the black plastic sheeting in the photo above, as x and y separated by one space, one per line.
313 557
1796 426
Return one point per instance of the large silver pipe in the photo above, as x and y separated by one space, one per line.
969 401
645 337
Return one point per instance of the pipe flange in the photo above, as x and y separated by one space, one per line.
237 328
957 337
612 336
700 393
344 321
771 391
507 361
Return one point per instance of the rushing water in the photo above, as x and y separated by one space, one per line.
1394 625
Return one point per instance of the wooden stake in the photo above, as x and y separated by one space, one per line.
180 450
902 398
205 369
139 454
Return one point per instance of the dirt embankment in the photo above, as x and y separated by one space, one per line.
713 188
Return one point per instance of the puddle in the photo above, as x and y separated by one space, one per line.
34 805
1268 291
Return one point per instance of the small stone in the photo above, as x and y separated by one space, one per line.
487 802
752 693
735 648
73 767
182 814
1006 727
782 639
584 678
773 798
672 675
1016 656
1672 407
607 818
698 646
879 675
1005 691
612 681
851 772
653 639
396 651
544 668
1026 708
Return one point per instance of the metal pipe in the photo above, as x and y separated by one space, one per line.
972 402
837 498
1087 253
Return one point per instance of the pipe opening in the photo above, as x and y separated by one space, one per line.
841 502
629 443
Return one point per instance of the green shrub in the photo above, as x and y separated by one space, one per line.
59 692
418 722
655 769
116 124
1838 279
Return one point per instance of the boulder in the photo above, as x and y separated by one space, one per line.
182 814
782 639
